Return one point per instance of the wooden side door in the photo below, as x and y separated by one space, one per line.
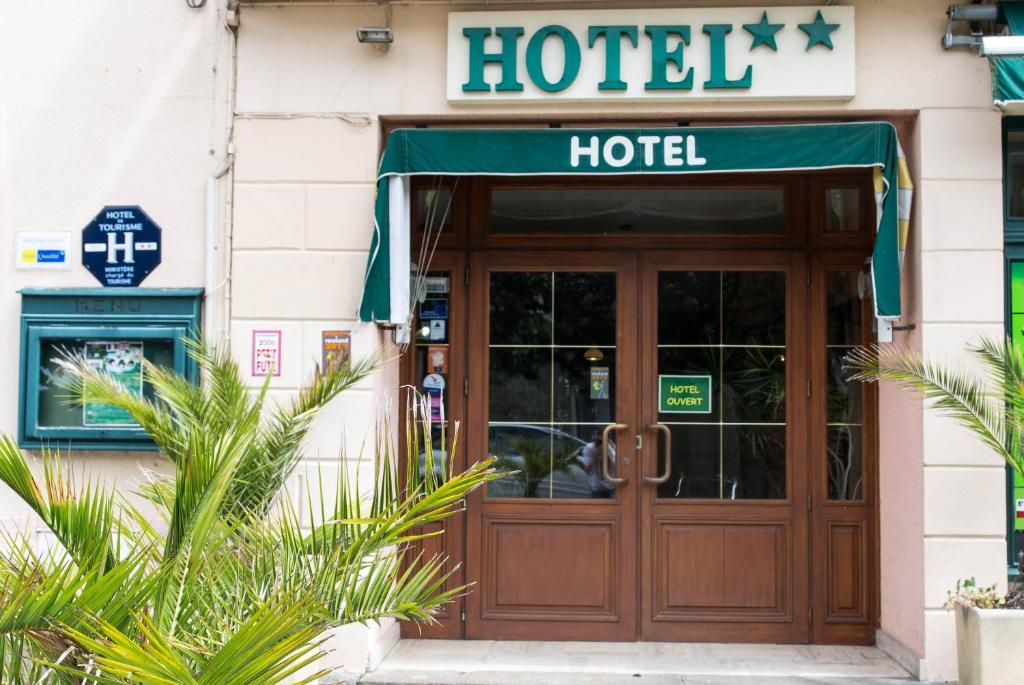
843 462
724 509
552 547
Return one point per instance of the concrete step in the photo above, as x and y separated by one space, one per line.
488 662
433 677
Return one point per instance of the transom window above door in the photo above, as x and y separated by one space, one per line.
684 210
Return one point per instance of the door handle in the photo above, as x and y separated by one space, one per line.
668 454
604 452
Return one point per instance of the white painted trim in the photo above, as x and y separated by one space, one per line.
399 246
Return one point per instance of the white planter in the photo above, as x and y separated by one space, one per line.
989 643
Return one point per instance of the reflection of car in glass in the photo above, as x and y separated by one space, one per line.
548 462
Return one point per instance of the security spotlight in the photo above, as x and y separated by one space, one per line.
374 34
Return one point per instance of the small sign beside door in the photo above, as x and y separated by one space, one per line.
266 353
42 251
684 394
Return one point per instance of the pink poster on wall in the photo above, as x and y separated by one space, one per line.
266 353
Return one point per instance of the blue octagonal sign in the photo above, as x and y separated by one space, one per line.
121 246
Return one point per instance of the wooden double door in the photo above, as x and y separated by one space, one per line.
685 459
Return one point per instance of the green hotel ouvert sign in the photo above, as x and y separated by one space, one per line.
714 53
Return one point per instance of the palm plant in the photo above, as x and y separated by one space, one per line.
990 405
233 581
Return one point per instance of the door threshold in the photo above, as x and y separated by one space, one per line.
489 662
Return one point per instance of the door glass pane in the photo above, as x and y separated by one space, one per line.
753 462
842 210
754 384
753 308
845 468
736 211
731 327
689 307
520 312
433 207
844 409
551 370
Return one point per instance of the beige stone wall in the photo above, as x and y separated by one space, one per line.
942 494
960 190
106 102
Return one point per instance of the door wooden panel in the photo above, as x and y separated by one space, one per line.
847 569
704 569
559 569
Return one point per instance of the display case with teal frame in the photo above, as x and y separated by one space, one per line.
113 329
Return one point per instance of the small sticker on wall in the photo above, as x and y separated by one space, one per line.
43 251
266 353
335 349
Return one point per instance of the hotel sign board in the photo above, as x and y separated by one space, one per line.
684 394
673 54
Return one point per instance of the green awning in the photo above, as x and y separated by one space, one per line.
1008 70
1007 81
586 152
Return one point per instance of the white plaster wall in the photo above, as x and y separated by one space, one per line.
309 102
964 520
105 102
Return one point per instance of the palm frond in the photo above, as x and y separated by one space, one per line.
275 452
82 520
278 641
952 390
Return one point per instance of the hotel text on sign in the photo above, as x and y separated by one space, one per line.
746 53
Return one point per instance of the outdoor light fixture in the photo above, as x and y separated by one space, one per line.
981 20
380 35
